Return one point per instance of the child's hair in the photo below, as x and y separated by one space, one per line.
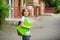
19 23
24 11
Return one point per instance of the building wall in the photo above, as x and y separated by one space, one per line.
16 9
37 8
36 1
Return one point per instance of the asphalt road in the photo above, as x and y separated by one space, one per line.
45 28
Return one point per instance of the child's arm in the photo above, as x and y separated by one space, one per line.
25 26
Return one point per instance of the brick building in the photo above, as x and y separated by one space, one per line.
36 7
18 5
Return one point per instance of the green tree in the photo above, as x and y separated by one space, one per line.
57 8
50 3
4 9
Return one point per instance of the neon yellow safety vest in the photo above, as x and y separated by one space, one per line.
23 30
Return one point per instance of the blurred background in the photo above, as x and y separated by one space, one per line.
46 25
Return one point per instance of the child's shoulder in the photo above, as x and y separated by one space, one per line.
25 17
22 17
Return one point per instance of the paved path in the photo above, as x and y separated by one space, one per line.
45 28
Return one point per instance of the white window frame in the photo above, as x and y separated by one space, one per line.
11 3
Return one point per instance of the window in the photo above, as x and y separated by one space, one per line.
27 2
11 11
19 3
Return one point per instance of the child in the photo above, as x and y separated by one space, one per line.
25 15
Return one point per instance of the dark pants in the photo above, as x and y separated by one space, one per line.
25 37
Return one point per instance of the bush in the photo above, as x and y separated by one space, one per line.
50 3
4 9
57 8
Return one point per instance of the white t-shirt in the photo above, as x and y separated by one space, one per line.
22 20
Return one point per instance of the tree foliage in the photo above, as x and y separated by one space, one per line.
57 8
4 9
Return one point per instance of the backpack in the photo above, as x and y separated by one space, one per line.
17 30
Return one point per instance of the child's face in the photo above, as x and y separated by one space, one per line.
26 13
